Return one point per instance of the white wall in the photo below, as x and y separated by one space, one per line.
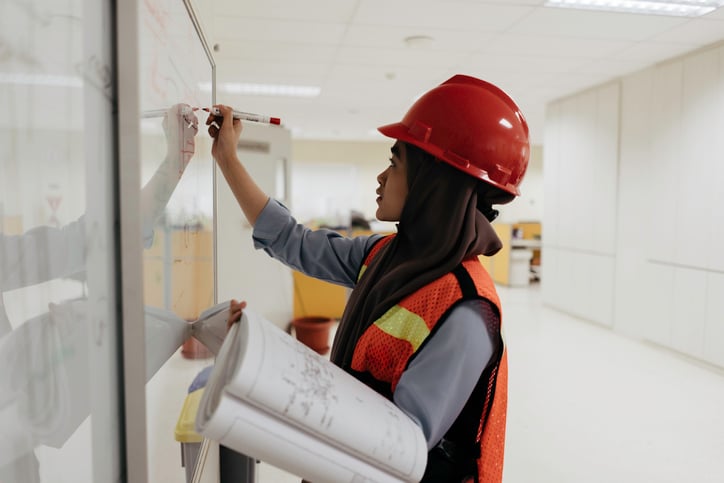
580 165
243 272
634 210
329 175
529 205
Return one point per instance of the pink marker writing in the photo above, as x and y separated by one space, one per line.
246 116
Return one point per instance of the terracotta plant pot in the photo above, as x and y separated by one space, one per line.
313 332
193 349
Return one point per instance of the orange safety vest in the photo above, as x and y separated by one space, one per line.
385 349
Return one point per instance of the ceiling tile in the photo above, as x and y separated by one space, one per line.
440 14
311 10
653 52
524 64
698 31
590 24
390 36
717 14
354 51
274 51
242 29
523 44
263 71
616 64
400 57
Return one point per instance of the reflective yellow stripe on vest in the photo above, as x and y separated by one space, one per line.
361 272
400 323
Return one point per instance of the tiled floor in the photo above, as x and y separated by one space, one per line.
585 406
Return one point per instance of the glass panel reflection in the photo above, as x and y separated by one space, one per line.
58 384
177 172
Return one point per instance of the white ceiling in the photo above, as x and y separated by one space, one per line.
354 50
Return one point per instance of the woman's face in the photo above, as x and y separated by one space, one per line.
392 191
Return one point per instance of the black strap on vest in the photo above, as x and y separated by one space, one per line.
467 286
461 440
454 458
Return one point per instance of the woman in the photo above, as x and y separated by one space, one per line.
422 325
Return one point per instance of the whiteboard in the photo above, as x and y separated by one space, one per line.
175 67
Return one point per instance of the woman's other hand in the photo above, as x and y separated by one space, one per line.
235 310
180 126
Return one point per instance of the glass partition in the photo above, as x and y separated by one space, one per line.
59 386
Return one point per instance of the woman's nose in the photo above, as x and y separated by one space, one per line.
381 177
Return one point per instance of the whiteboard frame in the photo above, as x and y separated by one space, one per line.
210 56
129 274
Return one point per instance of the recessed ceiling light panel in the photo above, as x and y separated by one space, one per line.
49 80
677 8
263 89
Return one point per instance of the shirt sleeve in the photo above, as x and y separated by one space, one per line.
156 193
41 254
322 254
438 382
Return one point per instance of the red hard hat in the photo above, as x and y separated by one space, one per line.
471 125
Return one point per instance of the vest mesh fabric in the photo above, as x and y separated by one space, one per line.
386 347
492 440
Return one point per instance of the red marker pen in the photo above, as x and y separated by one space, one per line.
246 116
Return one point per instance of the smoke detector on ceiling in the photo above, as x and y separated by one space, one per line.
418 41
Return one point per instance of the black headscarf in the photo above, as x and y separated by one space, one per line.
443 222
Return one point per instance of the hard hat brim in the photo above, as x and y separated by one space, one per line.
402 133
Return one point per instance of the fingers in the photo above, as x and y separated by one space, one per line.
217 121
181 114
235 311
235 303
213 129
226 118
189 117
214 122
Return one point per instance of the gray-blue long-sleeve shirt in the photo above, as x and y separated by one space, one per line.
436 385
